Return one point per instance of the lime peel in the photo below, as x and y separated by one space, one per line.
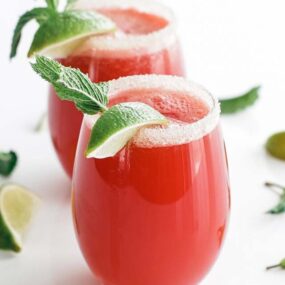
275 145
63 32
17 207
118 125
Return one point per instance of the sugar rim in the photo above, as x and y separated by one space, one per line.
131 44
175 134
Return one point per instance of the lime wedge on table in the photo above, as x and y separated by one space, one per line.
275 145
118 125
63 32
17 206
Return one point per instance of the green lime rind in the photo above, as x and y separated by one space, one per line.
239 103
38 14
65 30
275 145
7 239
118 125
17 207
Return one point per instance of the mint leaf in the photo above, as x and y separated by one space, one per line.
61 29
116 126
38 14
235 104
8 161
52 4
72 85
280 206
89 107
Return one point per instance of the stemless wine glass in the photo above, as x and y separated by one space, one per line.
157 211
146 42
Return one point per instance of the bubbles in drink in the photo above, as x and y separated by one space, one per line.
177 105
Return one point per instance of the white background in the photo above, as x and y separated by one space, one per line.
229 47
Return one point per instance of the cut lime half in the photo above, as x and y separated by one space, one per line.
275 145
118 125
17 206
63 32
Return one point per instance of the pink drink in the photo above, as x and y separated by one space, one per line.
155 213
145 43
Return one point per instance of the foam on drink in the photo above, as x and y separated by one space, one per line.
151 27
191 110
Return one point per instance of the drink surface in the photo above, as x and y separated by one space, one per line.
138 23
64 119
155 214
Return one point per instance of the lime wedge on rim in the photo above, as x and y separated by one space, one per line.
17 206
118 125
63 32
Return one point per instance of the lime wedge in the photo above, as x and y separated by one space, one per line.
275 145
118 125
17 206
63 32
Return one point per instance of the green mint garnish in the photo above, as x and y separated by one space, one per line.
239 103
38 14
116 126
280 207
59 33
281 265
72 85
52 4
8 161
275 145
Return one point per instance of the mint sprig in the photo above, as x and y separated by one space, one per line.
38 14
239 103
60 32
8 162
52 4
279 208
72 85
116 126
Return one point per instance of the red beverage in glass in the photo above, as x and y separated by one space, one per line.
156 212
145 43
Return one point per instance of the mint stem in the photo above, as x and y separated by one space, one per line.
271 185
41 122
272 266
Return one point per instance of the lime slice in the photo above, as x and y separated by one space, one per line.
118 125
275 145
17 206
63 32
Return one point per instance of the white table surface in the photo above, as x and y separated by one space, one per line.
229 46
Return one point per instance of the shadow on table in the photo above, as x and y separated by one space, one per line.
77 278
7 255
54 188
